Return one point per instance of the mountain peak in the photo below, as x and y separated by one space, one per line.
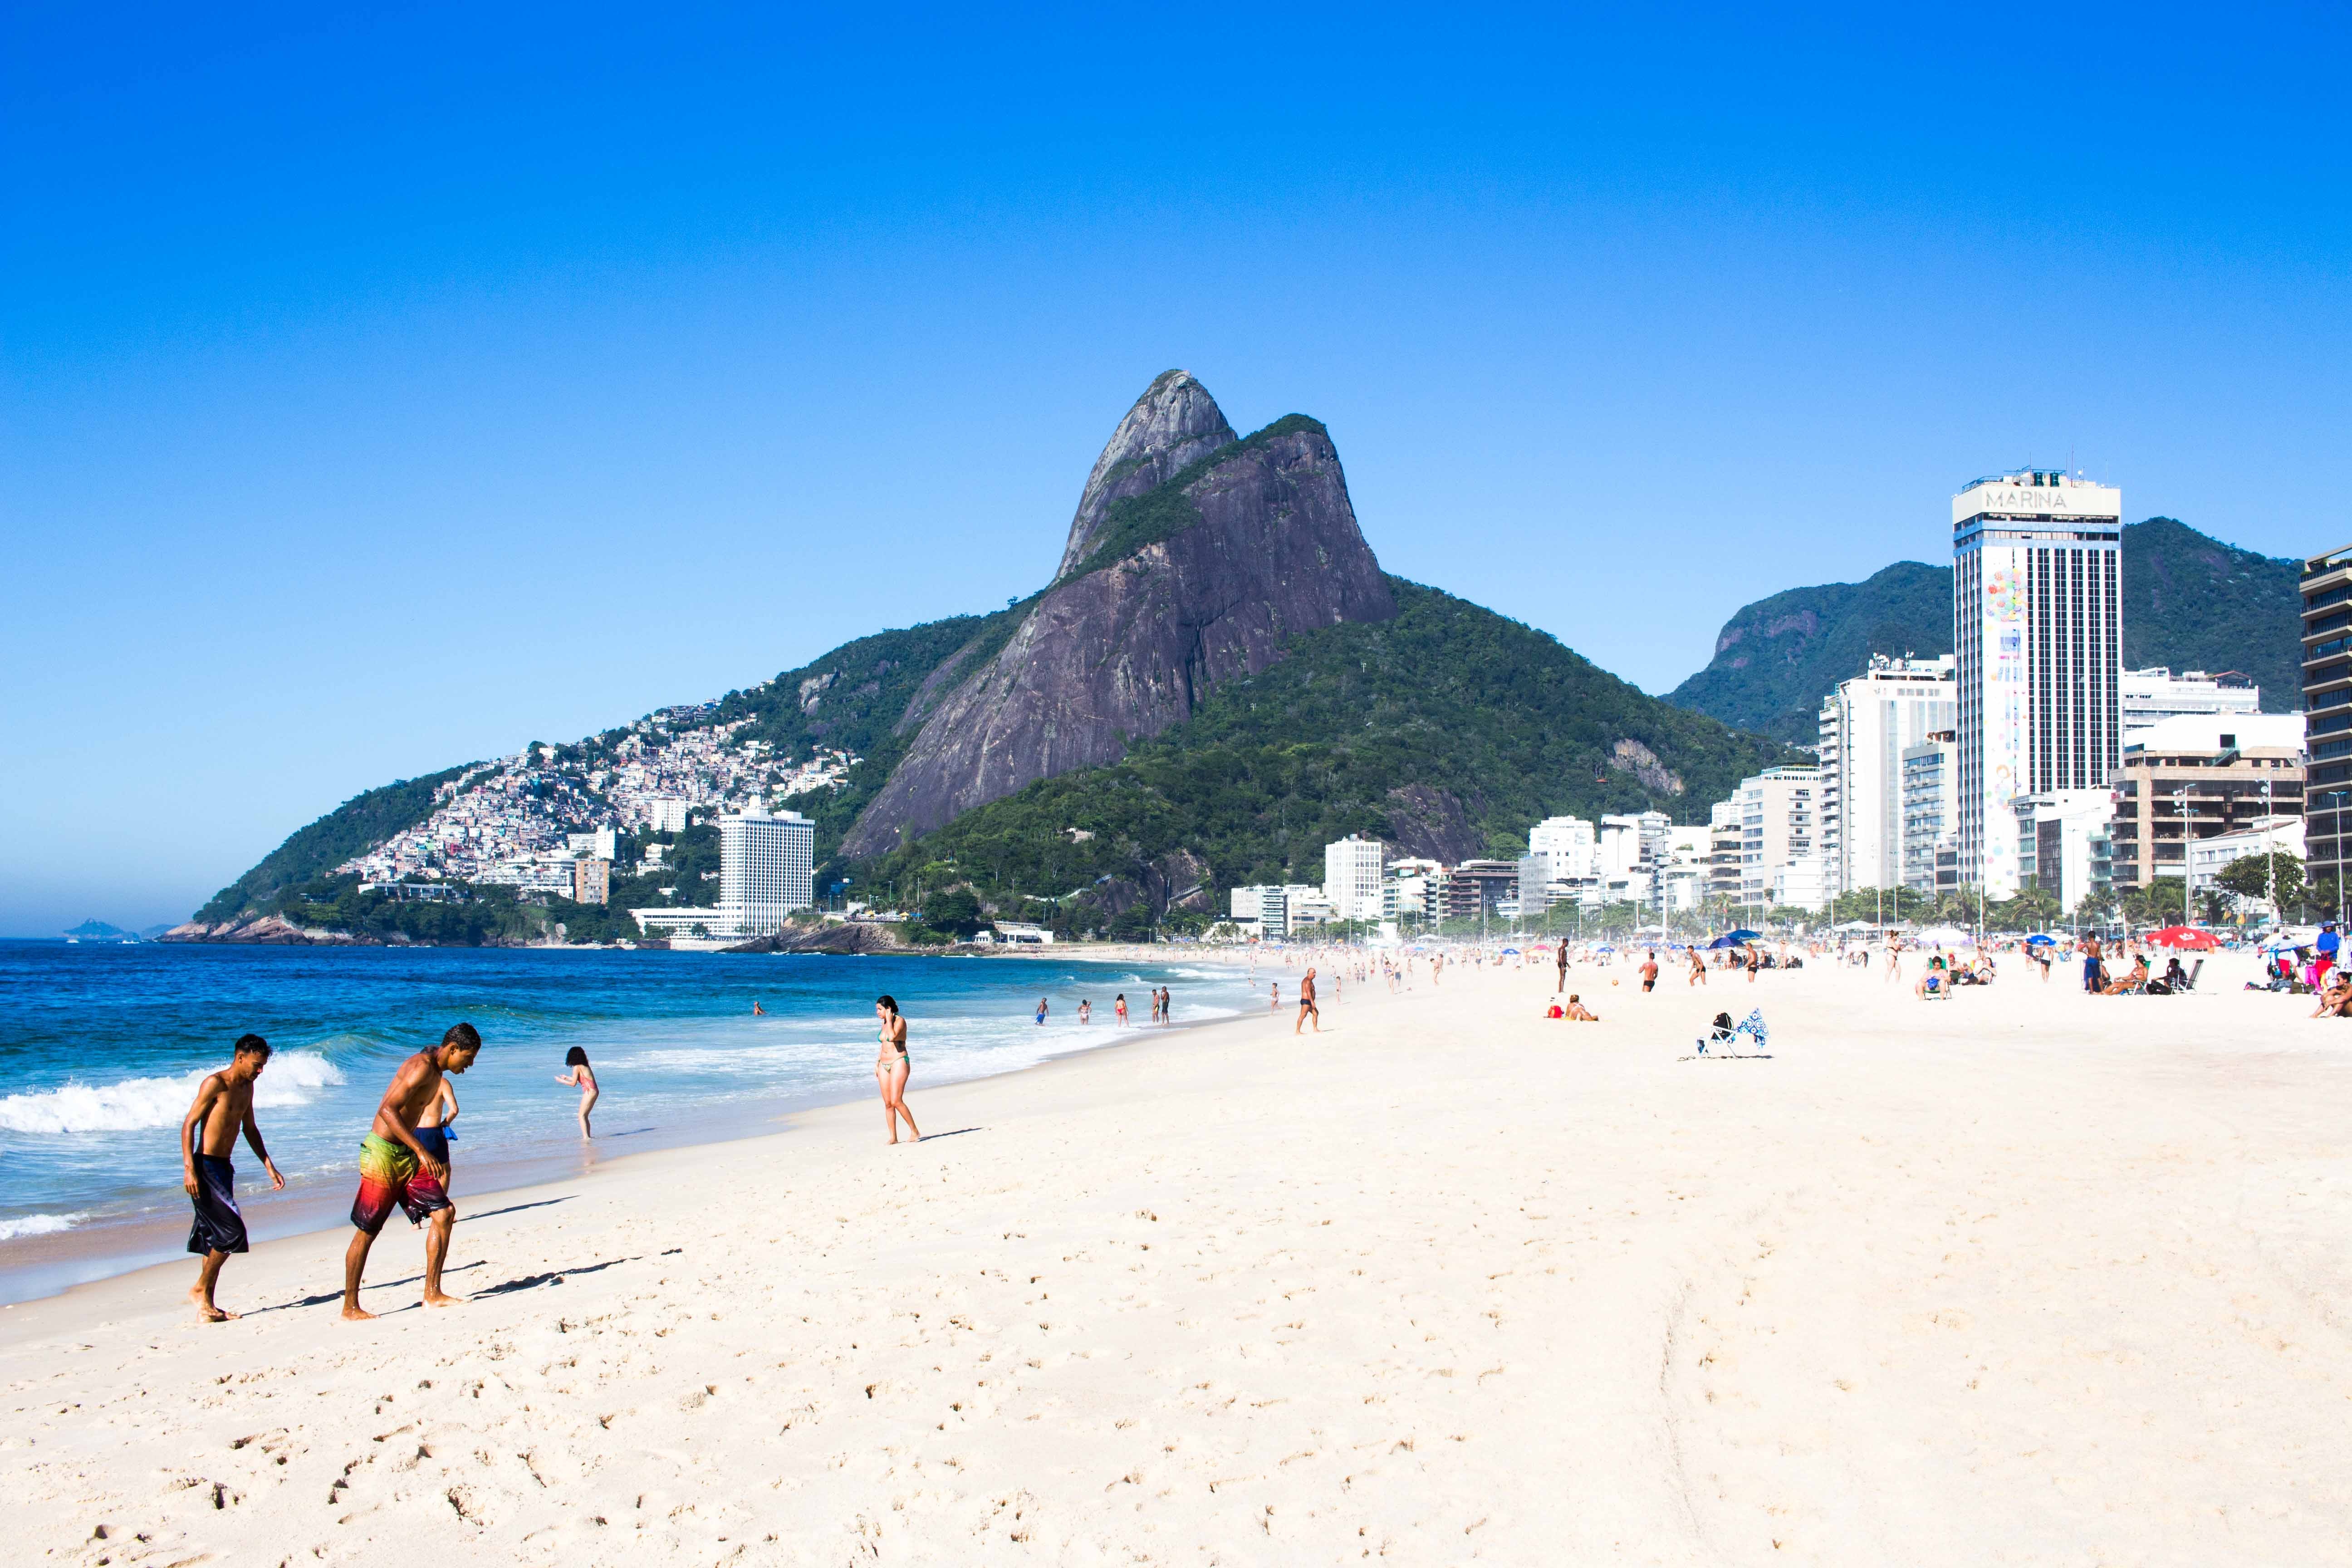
1172 425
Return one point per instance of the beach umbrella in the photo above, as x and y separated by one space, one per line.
1511 950
2040 940
2194 937
1944 936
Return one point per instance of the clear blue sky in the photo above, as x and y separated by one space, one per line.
388 388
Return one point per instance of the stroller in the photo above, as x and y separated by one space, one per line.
1728 1039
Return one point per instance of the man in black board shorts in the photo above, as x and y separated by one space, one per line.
223 1109
1649 971
1307 1008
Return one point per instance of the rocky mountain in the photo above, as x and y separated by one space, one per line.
2189 602
1219 678
1193 557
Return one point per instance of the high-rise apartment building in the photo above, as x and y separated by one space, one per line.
1865 725
1780 822
2037 620
591 881
2327 712
1931 854
764 867
1351 878
1724 838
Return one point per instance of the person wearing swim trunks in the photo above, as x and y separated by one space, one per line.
397 1170
433 1129
1307 1008
1650 973
222 1109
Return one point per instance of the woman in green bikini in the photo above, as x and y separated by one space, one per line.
890 1068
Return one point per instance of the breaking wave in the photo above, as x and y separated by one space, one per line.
38 1224
135 1104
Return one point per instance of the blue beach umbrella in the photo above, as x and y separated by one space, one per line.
2038 940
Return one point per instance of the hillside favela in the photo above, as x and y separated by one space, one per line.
1667 889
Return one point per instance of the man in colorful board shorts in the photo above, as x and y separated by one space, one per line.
223 1109
396 1168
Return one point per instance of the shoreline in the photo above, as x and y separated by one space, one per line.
47 1266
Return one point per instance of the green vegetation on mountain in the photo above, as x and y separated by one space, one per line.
2189 602
1450 727
1777 658
311 853
2194 603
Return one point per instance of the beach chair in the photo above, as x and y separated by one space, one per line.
1752 1032
2189 981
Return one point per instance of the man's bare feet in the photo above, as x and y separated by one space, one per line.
206 1311
357 1315
441 1298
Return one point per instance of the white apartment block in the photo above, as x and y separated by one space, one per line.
2208 858
1351 878
2037 619
2066 842
1779 823
1569 847
765 865
1931 786
764 869
1866 725
1413 890
2155 694
665 814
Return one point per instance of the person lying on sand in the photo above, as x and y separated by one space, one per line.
223 1109
1579 1013
395 1169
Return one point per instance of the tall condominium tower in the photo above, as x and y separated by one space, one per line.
763 869
2036 618
1866 725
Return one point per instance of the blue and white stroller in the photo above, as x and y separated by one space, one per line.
1746 1038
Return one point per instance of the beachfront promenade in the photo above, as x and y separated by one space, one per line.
2023 1277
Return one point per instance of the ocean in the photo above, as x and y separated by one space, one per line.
105 1046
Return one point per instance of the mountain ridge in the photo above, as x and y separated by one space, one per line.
2189 601
1219 654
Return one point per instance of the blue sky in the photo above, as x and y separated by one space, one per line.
382 388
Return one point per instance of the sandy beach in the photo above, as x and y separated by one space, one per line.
2022 1277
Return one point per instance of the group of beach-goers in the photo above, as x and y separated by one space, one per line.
404 1159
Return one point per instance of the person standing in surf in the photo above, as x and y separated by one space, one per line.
208 1134
579 1075
891 1066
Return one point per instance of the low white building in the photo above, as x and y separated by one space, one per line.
2208 858
2151 695
2066 842
1801 884
1022 933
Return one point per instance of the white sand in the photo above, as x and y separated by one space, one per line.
2026 1276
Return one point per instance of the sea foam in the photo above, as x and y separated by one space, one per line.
38 1224
134 1104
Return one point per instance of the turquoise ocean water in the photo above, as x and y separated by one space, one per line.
105 1044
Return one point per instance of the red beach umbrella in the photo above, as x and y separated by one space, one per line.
2194 937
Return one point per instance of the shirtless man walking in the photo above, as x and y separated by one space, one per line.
1307 1008
223 1109
1560 957
395 1169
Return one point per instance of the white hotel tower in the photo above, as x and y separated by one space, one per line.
2037 592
